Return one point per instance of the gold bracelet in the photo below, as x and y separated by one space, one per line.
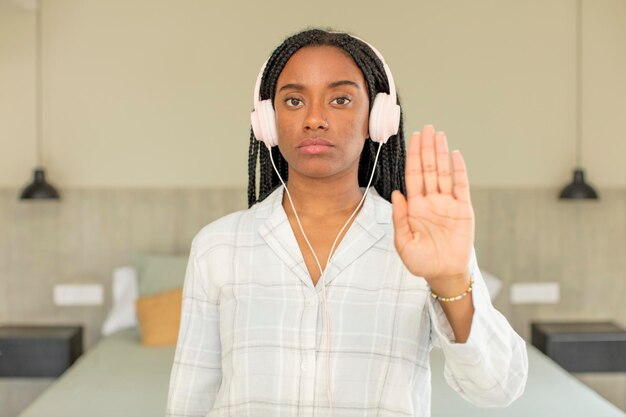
458 297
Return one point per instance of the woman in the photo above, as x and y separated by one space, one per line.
322 298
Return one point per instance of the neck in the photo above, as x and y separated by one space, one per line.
320 199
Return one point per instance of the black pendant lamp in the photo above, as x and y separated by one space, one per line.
578 189
39 189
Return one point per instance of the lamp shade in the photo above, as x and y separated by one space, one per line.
39 189
578 189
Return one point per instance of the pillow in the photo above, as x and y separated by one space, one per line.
122 314
158 273
159 317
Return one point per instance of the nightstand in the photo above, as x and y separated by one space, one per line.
582 346
38 351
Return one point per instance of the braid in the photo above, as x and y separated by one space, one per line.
389 173
253 153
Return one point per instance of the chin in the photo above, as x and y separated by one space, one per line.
321 172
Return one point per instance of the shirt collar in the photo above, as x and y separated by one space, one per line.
364 232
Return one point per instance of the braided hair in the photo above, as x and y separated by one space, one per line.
389 173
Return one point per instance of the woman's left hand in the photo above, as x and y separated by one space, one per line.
434 224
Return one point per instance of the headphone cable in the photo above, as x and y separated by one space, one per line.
322 271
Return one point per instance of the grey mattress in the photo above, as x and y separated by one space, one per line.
119 377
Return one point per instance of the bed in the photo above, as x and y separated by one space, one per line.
119 377
550 391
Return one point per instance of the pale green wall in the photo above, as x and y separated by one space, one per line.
157 93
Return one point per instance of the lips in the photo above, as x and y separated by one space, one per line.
314 146
314 142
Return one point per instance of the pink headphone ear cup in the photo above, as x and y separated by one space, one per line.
384 118
268 120
263 121
256 126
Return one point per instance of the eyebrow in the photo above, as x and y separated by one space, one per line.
300 87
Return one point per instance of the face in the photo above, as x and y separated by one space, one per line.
322 113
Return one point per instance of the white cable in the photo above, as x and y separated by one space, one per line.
322 271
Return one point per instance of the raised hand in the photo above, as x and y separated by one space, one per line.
434 224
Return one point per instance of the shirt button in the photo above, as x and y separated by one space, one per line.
309 302
305 366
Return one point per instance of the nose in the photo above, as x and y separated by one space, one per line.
315 118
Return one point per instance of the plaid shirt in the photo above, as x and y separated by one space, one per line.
252 339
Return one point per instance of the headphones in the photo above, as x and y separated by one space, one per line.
384 118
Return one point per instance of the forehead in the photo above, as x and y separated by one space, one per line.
313 65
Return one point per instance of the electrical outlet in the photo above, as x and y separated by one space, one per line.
535 293
78 294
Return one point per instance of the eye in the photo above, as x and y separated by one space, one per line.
292 102
342 101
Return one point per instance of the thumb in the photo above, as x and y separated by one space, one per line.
399 215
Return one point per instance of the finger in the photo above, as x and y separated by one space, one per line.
461 183
399 208
413 170
429 162
443 163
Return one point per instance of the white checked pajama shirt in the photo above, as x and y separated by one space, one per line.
252 339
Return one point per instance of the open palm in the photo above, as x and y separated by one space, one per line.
434 223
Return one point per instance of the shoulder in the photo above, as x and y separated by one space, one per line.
231 229
220 230
382 206
380 209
